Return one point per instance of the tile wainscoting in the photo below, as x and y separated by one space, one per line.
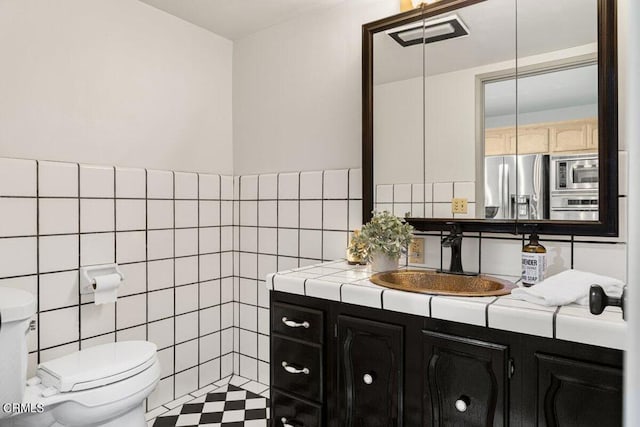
285 221
170 232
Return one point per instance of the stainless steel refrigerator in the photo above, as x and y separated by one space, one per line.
516 187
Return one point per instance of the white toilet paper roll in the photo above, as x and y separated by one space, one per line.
106 288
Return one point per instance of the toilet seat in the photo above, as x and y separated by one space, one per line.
92 406
96 366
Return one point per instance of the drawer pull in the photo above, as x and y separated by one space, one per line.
293 370
293 324
285 422
462 403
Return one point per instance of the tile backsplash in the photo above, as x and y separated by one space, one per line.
425 200
195 250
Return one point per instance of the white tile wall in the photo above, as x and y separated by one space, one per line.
183 239
59 216
427 200
300 218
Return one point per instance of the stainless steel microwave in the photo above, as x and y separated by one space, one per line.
574 172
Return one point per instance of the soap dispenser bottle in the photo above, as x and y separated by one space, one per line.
534 261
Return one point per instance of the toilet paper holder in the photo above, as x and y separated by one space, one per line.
89 273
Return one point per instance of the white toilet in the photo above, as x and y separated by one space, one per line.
102 386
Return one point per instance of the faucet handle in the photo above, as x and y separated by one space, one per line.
454 228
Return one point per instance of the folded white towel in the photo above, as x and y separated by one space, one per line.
570 286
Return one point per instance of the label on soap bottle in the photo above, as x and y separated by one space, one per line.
534 266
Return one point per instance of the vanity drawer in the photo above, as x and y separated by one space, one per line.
297 322
294 412
297 367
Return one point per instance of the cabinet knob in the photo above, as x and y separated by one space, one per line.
462 403
369 378
293 369
293 324
285 422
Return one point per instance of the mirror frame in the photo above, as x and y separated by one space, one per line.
607 224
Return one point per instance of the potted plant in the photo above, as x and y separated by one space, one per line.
382 240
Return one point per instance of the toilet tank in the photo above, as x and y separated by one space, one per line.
16 308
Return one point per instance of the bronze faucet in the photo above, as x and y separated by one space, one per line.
454 241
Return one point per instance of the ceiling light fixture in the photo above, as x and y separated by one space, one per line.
406 5
431 31
417 3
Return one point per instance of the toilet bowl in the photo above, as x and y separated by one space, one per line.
102 386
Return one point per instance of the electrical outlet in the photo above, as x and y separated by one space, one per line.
459 206
416 251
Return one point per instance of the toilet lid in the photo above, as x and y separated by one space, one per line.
97 366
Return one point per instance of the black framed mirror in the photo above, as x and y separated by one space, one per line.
498 115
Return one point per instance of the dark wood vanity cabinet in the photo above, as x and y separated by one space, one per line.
298 364
362 367
370 368
577 393
465 381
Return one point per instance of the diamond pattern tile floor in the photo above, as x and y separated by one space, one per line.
228 406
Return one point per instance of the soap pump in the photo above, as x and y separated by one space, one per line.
534 261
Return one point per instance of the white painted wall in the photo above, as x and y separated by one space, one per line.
297 91
113 82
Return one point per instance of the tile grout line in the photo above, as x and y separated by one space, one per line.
79 257
146 264
236 332
115 255
38 357
220 261
173 247
198 272
555 316
256 283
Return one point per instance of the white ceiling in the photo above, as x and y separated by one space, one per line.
234 19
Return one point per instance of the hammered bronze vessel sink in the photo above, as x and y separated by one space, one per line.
437 283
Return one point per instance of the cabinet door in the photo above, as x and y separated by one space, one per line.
495 142
531 140
570 136
465 381
574 393
370 365
593 134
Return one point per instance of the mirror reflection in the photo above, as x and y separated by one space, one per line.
469 124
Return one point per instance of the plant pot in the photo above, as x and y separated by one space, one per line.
382 262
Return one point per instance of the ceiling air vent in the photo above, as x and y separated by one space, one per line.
435 30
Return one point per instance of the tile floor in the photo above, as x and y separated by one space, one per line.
230 402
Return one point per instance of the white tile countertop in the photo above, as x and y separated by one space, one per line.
339 281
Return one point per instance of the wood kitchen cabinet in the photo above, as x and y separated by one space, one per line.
498 142
365 367
570 136
530 140
573 136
